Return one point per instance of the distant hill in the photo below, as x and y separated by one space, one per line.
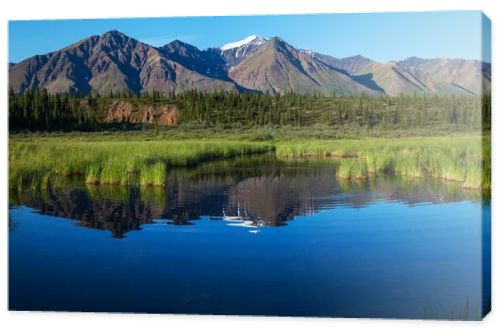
414 75
116 62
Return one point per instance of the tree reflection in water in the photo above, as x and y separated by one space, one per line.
250 192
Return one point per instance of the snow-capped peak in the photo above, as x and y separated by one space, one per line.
254 39
308 52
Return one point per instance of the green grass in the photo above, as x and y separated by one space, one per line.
153 175
122 158
457 159
319 131
114 171
32 163
355 169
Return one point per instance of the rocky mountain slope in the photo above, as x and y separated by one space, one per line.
111 62
277 67
116 62
416 75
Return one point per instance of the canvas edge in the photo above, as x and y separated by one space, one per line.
486 200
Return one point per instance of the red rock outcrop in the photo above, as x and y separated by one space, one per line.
122 111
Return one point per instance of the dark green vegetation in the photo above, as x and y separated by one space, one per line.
43 112
40 111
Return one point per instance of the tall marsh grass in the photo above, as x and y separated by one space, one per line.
153 175
33 163
465 159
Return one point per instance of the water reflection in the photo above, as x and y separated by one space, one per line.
251 193
253 236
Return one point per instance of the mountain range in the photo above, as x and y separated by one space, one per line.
116 62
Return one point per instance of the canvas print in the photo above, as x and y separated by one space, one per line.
329 165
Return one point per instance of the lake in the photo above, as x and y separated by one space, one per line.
255 236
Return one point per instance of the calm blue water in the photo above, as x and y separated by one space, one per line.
287 243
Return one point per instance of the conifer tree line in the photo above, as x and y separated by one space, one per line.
40 111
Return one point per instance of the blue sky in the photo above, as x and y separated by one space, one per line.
382 37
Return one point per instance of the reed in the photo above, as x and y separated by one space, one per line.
153 175
33 162
465 159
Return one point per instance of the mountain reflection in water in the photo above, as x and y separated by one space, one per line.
205 244
256 192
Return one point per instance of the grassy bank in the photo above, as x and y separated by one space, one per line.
121 158
34 163
263 133
458 159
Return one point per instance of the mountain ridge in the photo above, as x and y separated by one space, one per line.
114 61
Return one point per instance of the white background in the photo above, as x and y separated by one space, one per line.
46 322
